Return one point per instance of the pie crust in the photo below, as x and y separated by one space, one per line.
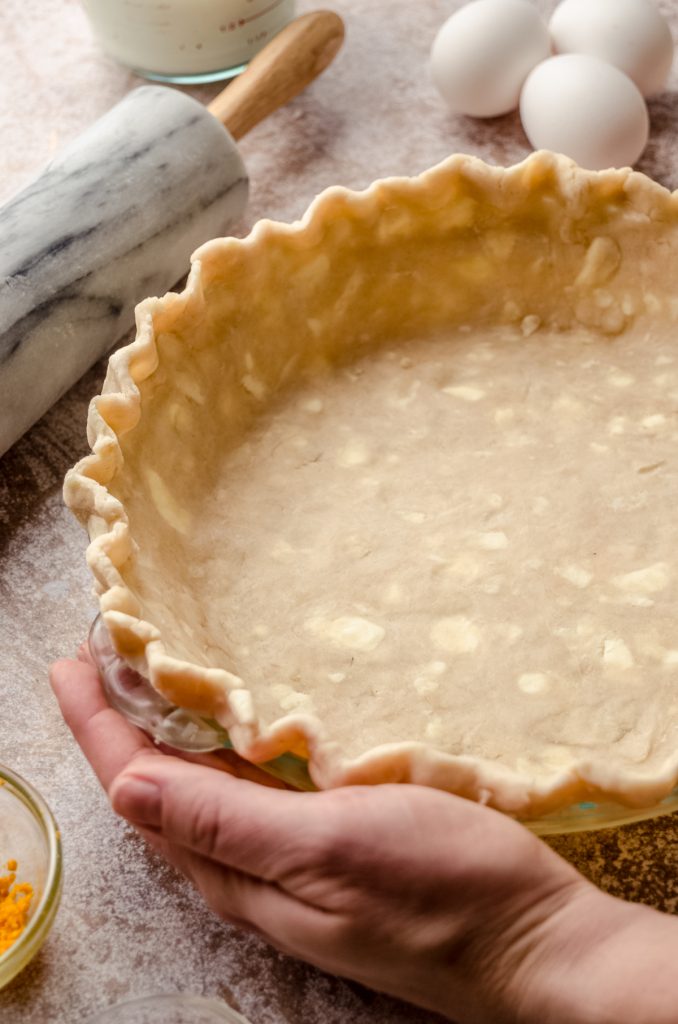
390 488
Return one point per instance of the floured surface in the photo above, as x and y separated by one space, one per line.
468 541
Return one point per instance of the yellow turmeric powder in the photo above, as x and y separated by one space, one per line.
15 901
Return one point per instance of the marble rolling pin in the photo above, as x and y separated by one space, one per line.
117 215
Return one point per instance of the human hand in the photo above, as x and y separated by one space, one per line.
408 890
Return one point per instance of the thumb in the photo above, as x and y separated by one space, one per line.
242 897
238 823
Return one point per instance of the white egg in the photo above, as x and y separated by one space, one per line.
483 54
631 34
586 109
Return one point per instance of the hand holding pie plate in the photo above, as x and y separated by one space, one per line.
402 888
409 512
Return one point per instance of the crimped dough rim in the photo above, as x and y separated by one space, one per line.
225 696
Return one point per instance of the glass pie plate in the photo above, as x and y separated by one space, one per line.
29 835
134 697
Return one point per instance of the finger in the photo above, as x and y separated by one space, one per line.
225 760
108 741
90 718
238 823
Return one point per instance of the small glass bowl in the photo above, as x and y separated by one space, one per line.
169 1009
29 835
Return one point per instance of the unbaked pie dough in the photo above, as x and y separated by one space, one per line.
395 488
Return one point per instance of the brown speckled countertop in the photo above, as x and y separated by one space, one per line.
128 926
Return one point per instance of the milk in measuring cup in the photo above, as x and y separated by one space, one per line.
184 40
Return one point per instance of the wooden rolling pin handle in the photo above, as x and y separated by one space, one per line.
282 69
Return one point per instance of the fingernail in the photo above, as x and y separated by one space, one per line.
138 800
